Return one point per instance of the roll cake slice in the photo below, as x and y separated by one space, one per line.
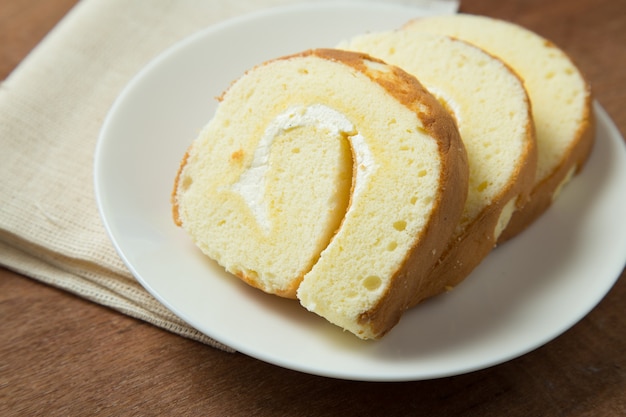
329 176
492 110
560 97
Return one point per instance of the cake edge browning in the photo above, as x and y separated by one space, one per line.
447 210
546 192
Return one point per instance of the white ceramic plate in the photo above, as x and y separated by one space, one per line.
524 294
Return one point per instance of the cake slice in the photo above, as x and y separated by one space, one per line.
330 176
492 110
560 99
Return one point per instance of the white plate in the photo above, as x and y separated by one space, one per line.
524 294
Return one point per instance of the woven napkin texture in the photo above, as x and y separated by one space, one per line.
51 109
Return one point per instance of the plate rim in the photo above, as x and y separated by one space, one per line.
602 118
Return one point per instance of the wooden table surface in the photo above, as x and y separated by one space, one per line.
62 355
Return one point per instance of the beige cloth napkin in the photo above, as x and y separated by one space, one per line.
51 110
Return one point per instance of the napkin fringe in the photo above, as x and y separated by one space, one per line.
95 284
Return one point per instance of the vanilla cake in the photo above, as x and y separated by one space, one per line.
492 110
330 176
560 98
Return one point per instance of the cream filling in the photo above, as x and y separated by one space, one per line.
251 184
568 178
505 217
450 104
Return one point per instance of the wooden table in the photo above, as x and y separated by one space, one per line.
61 355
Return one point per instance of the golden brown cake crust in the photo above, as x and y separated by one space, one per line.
454 170
542 195
477 240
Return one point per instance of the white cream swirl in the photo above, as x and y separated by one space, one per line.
251 183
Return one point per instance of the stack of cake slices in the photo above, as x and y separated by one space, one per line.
364 179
